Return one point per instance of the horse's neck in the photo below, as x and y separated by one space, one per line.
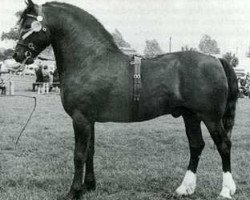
76 43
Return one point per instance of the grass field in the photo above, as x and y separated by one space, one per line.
138 161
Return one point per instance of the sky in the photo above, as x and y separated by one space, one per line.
226 21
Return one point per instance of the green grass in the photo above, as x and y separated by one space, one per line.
138 161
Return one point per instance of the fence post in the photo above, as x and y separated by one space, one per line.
11 88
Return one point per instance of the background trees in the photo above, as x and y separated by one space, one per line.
152 49
208 45
187 48
12 34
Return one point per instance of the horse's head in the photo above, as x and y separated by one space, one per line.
34 35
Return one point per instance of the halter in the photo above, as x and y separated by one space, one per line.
36 27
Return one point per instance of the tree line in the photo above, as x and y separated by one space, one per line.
206 45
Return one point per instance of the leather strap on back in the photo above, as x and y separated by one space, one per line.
137 85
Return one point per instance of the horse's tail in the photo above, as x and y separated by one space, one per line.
229 115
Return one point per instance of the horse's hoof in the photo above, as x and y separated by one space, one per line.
184 190
188 184
89 186
224 198
228 186
225 193
172 196
72 195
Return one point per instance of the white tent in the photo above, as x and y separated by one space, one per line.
8 65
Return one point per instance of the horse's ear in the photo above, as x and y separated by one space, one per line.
29 3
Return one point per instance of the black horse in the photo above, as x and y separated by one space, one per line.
97 86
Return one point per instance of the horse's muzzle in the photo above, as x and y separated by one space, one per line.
17 57
27 57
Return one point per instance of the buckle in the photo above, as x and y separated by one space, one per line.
31 46
137 76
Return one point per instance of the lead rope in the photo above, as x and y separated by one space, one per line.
28 120
34 107
25 125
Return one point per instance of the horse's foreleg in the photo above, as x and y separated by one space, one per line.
196 145
223 143
89 180
82 129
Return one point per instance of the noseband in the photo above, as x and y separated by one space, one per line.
30 47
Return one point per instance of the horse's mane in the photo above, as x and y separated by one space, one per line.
84 18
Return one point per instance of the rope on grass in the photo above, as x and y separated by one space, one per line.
29 118
27 122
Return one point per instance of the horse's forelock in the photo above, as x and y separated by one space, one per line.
22 17
28 10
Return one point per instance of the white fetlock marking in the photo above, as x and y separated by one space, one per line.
225 193
188 184
228 186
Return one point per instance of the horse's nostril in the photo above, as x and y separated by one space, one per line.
16 56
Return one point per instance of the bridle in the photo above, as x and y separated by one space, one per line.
30 47
37 26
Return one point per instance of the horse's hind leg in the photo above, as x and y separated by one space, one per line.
196 145
83 130
223 143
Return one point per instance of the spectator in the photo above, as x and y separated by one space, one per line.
39 74
46 78
39 78
56 80
56 76
50 81
248 85
243 87
247 80
2 86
